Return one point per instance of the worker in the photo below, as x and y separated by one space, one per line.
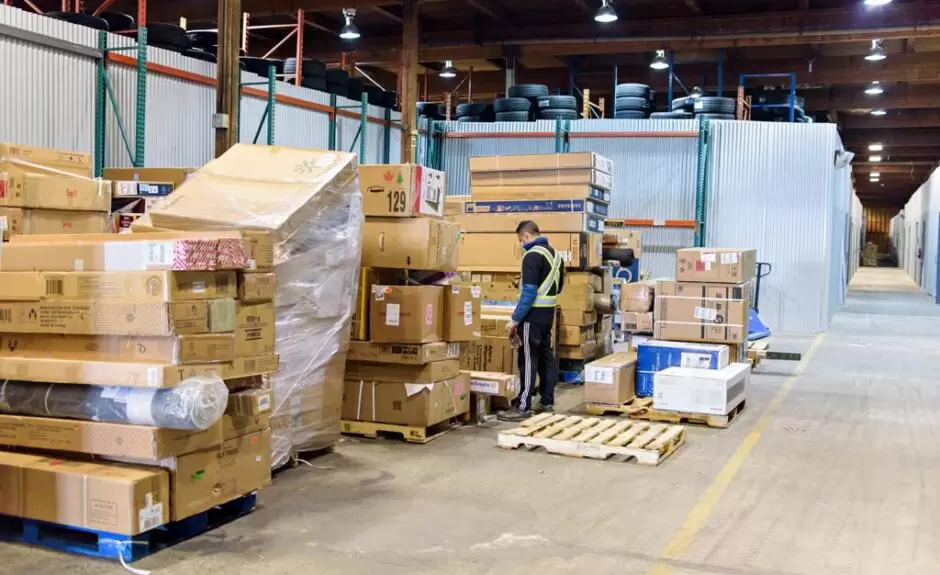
532 321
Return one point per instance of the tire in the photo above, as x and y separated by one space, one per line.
633 90
631 103
511 105
389 99
652 97
713 105
314 83
336 77
86 20
687 104
311 68
558 103
374 92
468 119
203 39
118 21
556 114
629 115
470 109
717 116
527 91
354 88
512 116
338 89
200 55
672 115
427 110
260 66
168 35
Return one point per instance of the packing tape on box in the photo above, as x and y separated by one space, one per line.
700 298
359 401
43 168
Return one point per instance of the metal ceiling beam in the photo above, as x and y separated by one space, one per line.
495 12
322 24
894 98
388 14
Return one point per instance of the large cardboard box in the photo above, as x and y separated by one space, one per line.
494 287
414 243
623 238
256 287
493 354
428 373
575 334
403 353
406 404
702 312
105 317
244 367
406 314
64 222
536 209
611 379
461 313
637 297
577 317
496 384
259 244
109 497
655 355
547 222
174 251
254 329
104 439
38 160
516 193
726 266
587 350
591 279
172 176
402 190
55 192
577 298
527 162
503 253
714 392
92 372
158 286
636 322
574 177
176 350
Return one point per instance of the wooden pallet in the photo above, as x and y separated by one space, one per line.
641 408
593 438
409 433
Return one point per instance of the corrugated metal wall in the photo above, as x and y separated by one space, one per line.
917 234
52 103
772 187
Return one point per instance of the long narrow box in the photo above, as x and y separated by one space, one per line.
502 252
654 356
111 373
402 353
528 162
104 317
537 206
418 374
20 221
134 286
715 392
548 222
413 243
175 350
575 177
517 193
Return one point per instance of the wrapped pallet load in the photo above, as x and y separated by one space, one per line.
308 204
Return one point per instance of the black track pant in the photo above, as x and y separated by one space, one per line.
536 358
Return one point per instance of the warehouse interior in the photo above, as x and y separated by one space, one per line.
273 129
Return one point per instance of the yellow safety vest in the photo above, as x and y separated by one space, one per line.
542 299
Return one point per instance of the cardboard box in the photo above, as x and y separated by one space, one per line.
250 366
726 266
604 325
175 251
221 315
406 314
611 379
494 287
516 193
577 298
536 209
11 223
249 403
415 243
493 354
591 279
110 497
256 287
402 190
403 353
580 177
587 350
239 425
575 335
54 192
173 176
636 322
574 317
428 373
715 392
255 332
176 350
104 439
548 222
20 286
502 252
496 384
37 160
655 355
158 286
461 313
104 317
404 404
624 238
92 372
702 312
637 297
65 222
454 205
527 162
494 324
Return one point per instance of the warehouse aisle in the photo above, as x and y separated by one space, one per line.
834 479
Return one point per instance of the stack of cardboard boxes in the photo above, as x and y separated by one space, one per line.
45 191
136 190
120 312
405 368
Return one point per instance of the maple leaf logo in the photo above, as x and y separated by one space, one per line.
388 176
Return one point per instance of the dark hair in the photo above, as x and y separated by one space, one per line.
527 226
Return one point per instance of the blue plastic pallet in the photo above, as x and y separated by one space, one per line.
571 377
104 545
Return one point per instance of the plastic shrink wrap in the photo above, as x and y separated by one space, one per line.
309 201
196 403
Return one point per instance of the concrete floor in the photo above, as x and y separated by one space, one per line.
827 472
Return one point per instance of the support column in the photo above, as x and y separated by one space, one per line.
510 72
408 80
228 75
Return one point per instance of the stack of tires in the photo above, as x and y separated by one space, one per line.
715 108
475 112
512 109
337 82
682 109
632 101
312 73
557 108
260 66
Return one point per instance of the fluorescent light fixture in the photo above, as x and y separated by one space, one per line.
875 175
874 158
877 53
874 89
660 62
875 147
878 112
876 3
448 71
606 13
349 31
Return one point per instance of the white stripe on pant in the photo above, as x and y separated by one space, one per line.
524 405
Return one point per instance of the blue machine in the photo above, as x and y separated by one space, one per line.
756 329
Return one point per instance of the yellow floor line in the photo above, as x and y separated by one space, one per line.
705 505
